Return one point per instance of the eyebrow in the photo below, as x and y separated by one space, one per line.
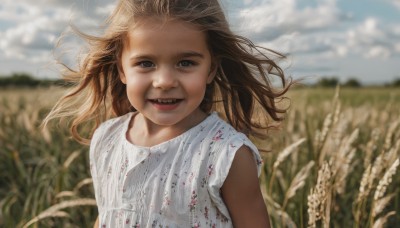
187 54
191 54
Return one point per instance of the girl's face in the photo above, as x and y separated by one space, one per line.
166 67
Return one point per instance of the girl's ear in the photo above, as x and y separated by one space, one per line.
121 73
213 71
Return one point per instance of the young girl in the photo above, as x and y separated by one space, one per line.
167 159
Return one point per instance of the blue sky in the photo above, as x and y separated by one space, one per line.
344 38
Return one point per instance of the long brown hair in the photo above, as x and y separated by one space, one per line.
241 89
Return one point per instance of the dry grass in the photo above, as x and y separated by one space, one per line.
334 163
355 148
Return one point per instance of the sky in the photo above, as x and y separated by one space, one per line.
322 38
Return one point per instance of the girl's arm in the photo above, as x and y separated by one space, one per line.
96 224
241 192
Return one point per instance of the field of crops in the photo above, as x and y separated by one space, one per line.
333 163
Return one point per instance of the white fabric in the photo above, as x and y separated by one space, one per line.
174 184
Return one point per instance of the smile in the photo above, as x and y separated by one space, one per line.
165 101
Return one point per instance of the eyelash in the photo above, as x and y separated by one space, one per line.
191 63
182 63
142 64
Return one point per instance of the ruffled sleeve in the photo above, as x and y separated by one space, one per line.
222 162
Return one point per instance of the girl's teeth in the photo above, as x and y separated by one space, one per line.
166 101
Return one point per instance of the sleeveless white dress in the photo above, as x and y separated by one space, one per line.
173 184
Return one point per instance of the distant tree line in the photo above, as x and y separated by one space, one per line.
351 82
27 80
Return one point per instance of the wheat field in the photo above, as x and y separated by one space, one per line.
334 162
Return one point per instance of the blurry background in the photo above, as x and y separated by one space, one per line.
357 39
333 163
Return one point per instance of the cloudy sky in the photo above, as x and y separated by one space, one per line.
345 38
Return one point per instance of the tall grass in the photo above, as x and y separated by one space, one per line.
347 164
40 169
334 163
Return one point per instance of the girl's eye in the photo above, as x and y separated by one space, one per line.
145 64
186 63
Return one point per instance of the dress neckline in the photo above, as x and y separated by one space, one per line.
157 147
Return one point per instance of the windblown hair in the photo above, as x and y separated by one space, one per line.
241 90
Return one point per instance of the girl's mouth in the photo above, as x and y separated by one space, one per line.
169 101
168 104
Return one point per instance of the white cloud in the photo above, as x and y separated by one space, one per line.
284 26
275 18
397 47
378 52
35 26
38 34
105 10
374 39
396 3
320 37
319 31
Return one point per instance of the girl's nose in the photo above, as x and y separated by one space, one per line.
165 79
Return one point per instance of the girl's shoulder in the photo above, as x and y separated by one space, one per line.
111 127
115 123
220 126
219 133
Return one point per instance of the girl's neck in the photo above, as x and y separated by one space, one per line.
143 132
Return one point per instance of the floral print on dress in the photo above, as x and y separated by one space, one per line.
218 136
173 186
123 167
174 182
259 162
193 201
210 169
167 200
206 212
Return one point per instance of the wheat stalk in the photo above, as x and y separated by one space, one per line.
297 182
389 134
342 171
376 170
278 212
313 208
386 180
337 112
65 194
391 154
70 159
382 220
46 135
54 210
319 199
287 220
364 189
281 157
286 152
324 132
281 179
82 183
381 204
371 146
341 162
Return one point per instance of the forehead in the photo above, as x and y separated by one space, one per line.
162 25
153 32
